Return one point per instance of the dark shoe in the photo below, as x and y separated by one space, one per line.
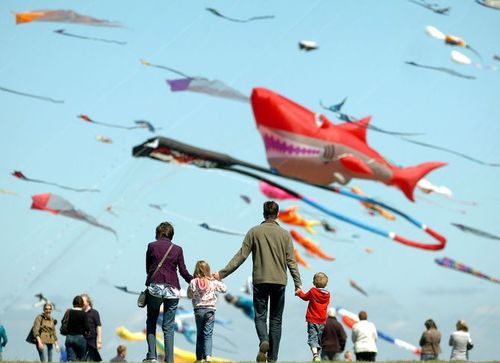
263 349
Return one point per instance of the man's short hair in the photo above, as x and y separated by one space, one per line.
271 209
121 349
363 315
165 230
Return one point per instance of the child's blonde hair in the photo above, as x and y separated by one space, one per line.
202 269
320 280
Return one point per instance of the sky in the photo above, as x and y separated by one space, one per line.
363 47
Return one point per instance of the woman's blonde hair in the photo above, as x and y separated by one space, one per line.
462 325
202 269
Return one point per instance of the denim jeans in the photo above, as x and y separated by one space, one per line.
41 353
153 310
76 345
314 333
272 295
205 319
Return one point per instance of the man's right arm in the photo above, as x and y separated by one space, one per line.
238 258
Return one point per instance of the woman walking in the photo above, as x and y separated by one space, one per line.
44 331
163 259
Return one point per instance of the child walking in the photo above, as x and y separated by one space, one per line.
316 315
202 290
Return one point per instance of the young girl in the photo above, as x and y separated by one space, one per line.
202 291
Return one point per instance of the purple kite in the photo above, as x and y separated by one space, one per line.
455 265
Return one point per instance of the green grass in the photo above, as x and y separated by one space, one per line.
381 361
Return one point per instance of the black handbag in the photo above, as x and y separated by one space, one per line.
64 324
31 338
142 300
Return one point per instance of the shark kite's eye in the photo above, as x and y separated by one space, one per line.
319 120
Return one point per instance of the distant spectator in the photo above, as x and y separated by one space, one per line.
121 354
334 338
460 342
94 339
3 339
364 337
430 340
348 356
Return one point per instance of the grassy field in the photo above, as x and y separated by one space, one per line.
382 361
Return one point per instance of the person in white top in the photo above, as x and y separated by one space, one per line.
460 342
364 337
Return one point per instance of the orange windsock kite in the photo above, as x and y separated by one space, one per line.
300 259
373 208
310 245
291 216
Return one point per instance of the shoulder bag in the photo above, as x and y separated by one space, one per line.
142 300
64 323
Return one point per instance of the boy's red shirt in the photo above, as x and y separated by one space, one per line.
319 299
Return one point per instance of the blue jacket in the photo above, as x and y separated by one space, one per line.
3 337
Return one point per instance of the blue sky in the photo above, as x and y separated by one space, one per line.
362 49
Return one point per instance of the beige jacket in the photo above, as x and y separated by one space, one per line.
430 342
45 328
272 253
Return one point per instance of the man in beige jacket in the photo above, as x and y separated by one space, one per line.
272 253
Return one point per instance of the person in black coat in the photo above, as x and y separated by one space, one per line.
333 339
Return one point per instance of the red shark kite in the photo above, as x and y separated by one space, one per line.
55 204
307 146
311 246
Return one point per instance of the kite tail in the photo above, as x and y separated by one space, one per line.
407 178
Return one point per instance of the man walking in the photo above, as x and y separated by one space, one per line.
272 253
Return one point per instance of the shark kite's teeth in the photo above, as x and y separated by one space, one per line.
275 143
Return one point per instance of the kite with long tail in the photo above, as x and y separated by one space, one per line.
172 151
455 265
30 95
349 319
20 175
140 124
432 7
62 16
220 15
198 84
65 33
449 39
55 204
356 286
441 69
220 230
475 231
337 109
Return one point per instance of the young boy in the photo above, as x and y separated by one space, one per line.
319 299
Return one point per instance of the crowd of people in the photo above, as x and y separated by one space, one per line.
272 253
